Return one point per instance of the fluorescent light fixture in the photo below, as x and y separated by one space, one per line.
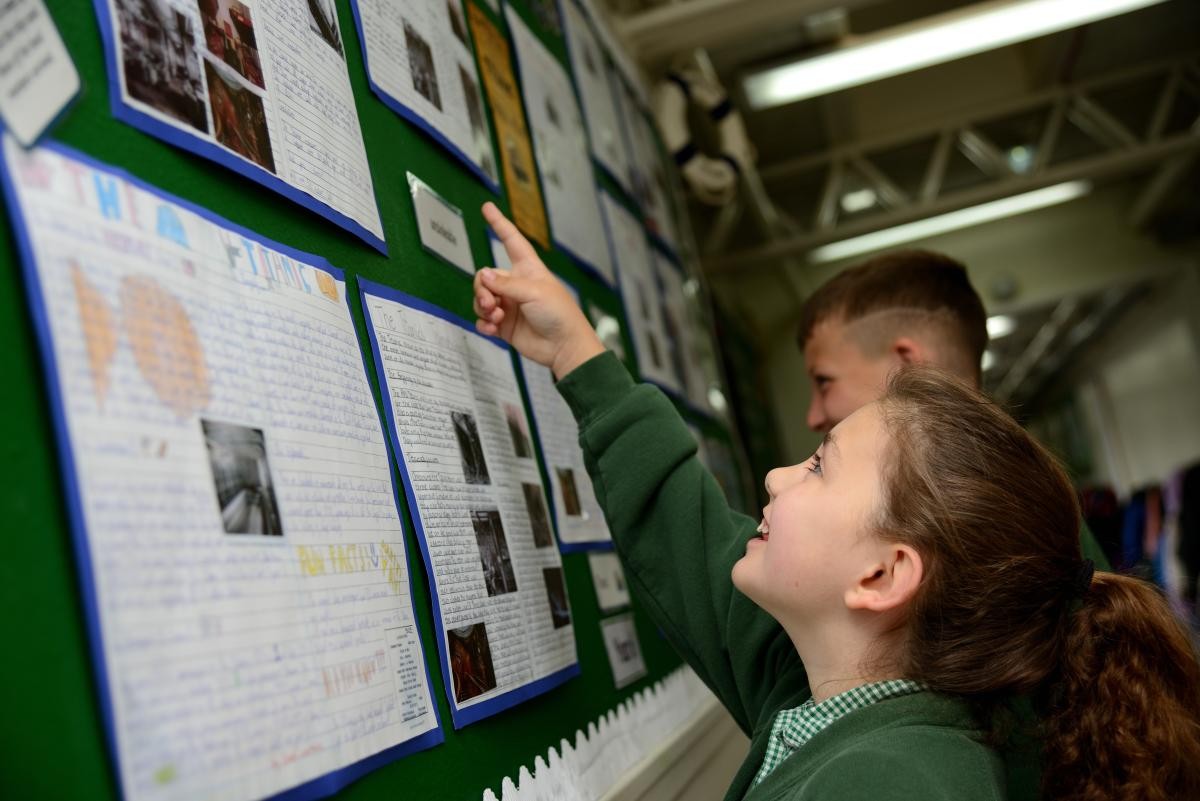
989 360
858 200
951 221
934 40
1000 325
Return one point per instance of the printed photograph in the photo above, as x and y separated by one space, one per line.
556 593
589 60
470 448
471 668
457 23
237 456
515 418
498 575
539 520
420 64
570 493
552 113
522 171
239 119
480 138
323 21
229 36
159 60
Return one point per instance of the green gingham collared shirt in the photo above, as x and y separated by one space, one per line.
795 727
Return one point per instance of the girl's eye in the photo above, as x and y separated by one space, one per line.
815 464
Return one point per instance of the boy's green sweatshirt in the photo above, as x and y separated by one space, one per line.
678 540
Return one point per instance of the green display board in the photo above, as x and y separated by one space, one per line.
53 742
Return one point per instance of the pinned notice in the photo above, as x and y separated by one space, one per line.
37 76
441 226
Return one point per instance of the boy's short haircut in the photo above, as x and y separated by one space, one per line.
901 290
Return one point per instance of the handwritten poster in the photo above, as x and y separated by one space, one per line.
258 86
650 188
560 141
240 548
590 69
577 515
640 294
516 154
467 454
419 62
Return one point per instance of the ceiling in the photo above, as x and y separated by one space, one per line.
1115 103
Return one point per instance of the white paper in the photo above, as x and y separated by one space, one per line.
640 293
266 80
649 170
624 651
419 53
625 64
37 76
246 549
466 447
685 360
500 259
608 577
560 144
440 226
591 73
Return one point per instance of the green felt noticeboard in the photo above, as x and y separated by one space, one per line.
53 740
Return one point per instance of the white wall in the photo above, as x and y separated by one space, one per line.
1139 387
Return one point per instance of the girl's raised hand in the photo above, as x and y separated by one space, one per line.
529 307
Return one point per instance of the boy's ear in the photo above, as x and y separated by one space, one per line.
909 351
888 583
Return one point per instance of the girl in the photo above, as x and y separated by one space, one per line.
921 569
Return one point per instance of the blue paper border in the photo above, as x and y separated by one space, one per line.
315 788
186 141
476 712
417 121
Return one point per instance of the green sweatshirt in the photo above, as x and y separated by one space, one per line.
678 540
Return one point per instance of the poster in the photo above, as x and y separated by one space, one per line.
641 295
650 188
239 543
592 79
516 154
467 455
560 141
258 86
419 63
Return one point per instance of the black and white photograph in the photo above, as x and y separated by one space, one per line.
421 67
159 60
552 113
471 666
474 103
570 493
457 23
229 36
470 447
237 456
556 594
239 119
498 575
539 520
515 418
323 21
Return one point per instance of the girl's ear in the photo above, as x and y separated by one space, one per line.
889 583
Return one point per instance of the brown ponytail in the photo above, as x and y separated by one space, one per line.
998 612
1124 718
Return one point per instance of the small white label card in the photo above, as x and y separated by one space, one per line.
612 593
37 76
624 652
441 226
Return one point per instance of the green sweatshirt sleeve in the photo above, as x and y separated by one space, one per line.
678 540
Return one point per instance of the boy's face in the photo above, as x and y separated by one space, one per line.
843 377
816 539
